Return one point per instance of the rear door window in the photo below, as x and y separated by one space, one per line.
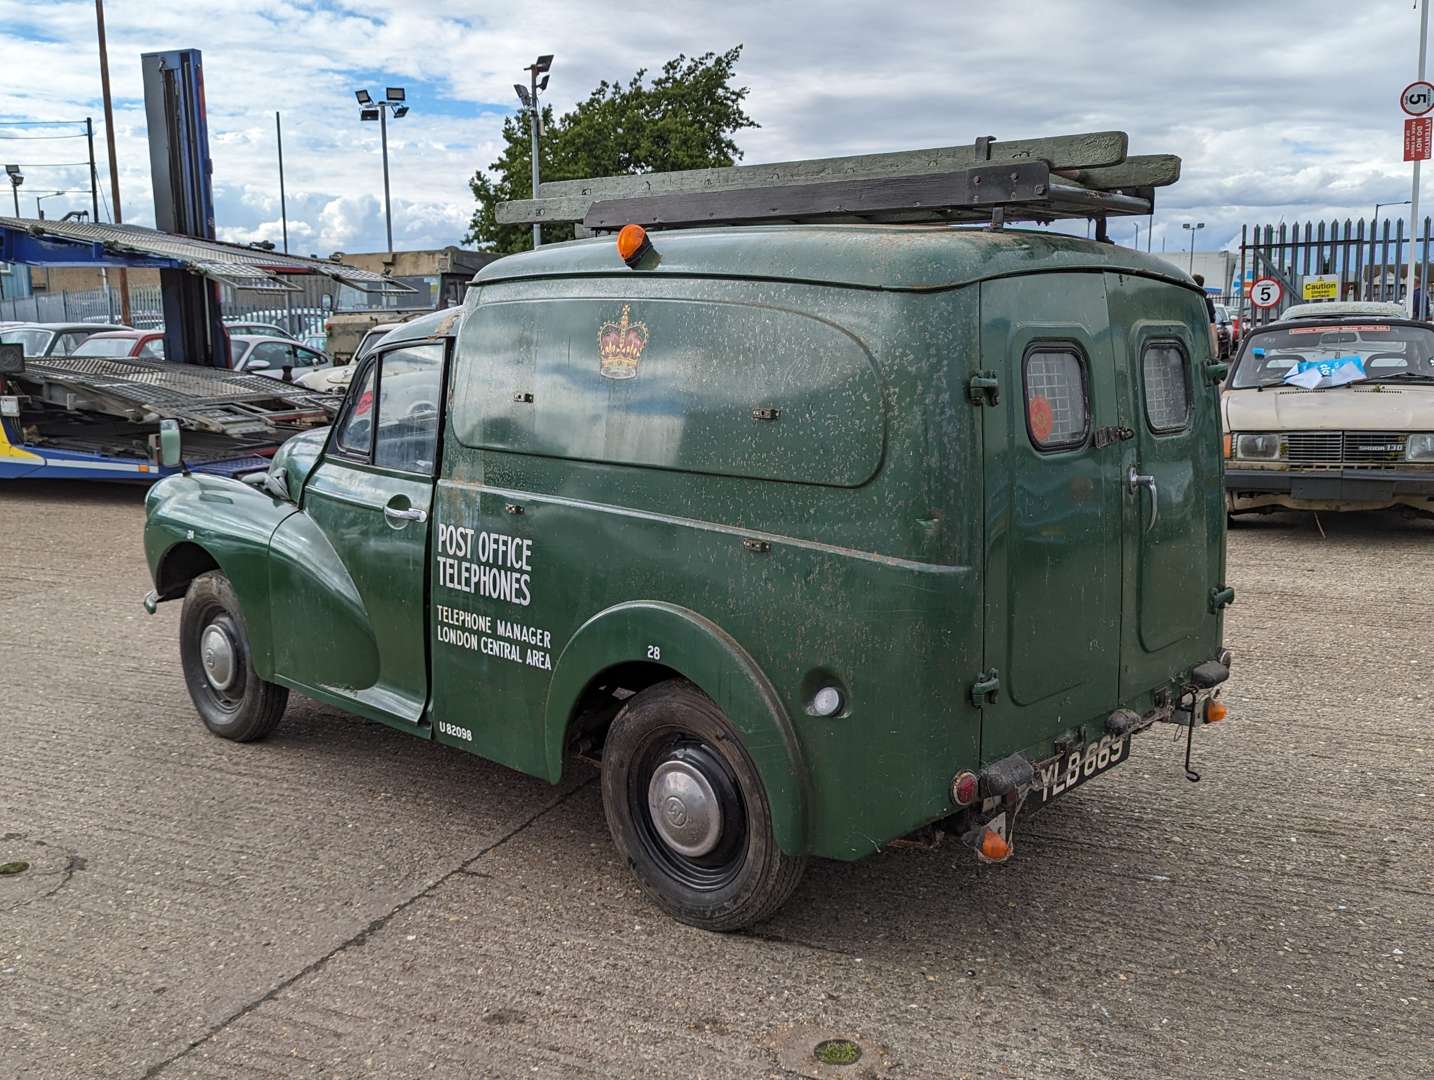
1057 412
1167 389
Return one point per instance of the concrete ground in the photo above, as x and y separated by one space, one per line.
343 900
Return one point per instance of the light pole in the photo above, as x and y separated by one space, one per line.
528 95
16 179
39 212
1372 232
1193 230
395 100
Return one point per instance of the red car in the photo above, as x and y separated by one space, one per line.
139 344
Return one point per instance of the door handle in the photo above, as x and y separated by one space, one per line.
1134 481
398 514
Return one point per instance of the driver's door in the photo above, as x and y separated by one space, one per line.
349 572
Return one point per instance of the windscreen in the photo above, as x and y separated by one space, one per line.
32 341
1376 350
102 346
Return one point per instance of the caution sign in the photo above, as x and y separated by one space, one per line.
1321 287
1418 135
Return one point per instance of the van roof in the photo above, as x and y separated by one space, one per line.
898 257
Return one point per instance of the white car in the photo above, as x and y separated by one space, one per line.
1336 414
1337 309
278 358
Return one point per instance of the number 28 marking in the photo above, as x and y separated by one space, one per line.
654 652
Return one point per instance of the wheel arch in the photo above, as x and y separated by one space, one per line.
693 647
178 566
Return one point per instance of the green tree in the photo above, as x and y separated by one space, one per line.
684 118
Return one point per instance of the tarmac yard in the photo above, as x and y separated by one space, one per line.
343 900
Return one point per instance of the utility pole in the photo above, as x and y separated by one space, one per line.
283 207
110 142
94 173
1414 189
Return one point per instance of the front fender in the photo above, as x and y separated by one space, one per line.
229 521
704 653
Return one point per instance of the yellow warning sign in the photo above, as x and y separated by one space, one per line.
1321 287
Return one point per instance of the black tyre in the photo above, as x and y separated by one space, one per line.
687 810
232 700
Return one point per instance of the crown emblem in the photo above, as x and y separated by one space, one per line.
620 344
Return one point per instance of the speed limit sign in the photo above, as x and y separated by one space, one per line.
1265 293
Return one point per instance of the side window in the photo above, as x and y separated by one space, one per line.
1167 390
67 343
1057 413
152 350
409 384
355 431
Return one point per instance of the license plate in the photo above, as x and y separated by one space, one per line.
1059 776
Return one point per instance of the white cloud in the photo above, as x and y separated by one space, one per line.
1272 121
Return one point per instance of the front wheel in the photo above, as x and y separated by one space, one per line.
687 810
231 699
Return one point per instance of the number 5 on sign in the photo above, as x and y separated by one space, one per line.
1265 293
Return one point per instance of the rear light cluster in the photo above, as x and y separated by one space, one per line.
965 788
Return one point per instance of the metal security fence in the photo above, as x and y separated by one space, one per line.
300 313
1343 260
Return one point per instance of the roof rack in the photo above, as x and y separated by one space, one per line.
1086 176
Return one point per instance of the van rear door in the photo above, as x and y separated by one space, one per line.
1053 508
1174 535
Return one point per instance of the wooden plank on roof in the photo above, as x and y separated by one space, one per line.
569 200
1140 171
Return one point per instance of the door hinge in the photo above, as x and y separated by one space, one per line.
1221 598
984 388
986 689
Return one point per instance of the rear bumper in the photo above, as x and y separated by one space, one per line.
1256 487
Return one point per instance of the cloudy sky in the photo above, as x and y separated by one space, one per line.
1280 109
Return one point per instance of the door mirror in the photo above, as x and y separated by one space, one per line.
257 365
169 443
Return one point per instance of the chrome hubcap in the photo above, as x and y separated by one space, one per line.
684 808
216 651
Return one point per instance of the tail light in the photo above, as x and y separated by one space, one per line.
964 788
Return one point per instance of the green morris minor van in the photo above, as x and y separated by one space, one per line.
810 535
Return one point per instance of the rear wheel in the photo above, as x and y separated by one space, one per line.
231 699
687 810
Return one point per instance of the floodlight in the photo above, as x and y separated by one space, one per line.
368 114
363 97
544 62
543 83
523 94
400 110
394 93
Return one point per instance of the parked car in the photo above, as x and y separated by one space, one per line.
257 329
1339 309
278 358
743 525
1308 426
138 344
335 380
51 339
1224 332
